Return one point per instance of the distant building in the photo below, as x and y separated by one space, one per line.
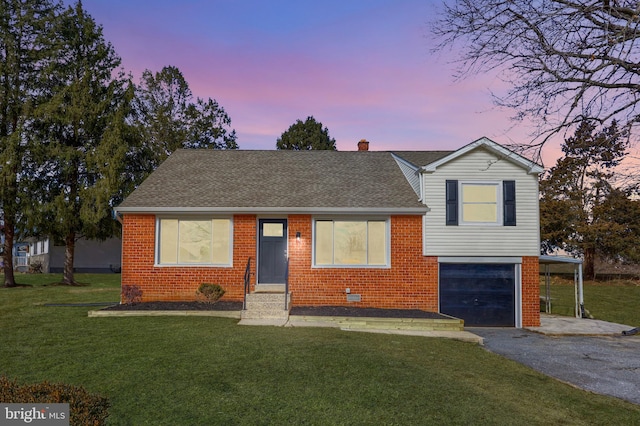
90 256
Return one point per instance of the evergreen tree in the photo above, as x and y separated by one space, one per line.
168 118
80 137
577 192
616 223
306 136
24 46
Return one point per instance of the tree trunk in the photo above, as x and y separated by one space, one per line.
69 251
589 262
7 257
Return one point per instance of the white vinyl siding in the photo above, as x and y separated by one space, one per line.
194 242
480 165
410 174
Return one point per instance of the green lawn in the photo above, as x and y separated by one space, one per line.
613 300
206 371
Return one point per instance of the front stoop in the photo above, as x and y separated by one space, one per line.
266 309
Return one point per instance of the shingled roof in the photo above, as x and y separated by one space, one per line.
278 181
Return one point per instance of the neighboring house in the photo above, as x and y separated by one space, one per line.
21 257
455 232
90 256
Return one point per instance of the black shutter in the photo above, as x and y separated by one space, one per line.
509 202
452 203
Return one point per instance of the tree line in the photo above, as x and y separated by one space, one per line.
76 134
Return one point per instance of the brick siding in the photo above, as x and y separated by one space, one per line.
169 283
410 283
530 291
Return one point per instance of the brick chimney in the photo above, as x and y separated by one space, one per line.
363 145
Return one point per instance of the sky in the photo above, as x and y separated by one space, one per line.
363 68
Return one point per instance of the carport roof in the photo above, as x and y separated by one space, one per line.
548 260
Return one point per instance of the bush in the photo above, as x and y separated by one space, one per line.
211 293
131 294
84 408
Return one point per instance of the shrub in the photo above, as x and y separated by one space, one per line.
84 408
211 293
131 294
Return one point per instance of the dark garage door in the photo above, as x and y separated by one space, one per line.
480 294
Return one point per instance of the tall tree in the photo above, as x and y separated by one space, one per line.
79 143
307 135
565 61
578 192
24 44
169 118
617 226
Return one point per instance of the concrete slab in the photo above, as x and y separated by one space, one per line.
464 336
220 314
273 322
557 325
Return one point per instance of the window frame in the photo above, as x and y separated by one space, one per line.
499 203
387 223
187 218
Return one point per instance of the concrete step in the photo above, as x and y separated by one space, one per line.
267 297
363 323
251 305
266 306
264 314
269 288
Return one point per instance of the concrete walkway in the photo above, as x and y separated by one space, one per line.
556 325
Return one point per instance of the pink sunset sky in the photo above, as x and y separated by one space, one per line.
363 68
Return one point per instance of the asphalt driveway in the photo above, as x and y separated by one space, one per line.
608 365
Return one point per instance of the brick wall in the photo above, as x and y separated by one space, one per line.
181 283
411 282
530 291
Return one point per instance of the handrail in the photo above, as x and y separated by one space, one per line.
286 285
247 283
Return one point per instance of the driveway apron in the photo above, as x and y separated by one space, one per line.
608 365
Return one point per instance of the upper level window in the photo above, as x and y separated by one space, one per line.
481 203
351 243
194 242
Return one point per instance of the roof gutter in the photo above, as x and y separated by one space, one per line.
280 210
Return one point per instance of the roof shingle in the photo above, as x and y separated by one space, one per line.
287 180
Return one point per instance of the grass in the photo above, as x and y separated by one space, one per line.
616 300
203 370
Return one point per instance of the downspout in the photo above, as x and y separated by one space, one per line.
581 293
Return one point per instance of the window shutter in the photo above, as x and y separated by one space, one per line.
509 202
452 203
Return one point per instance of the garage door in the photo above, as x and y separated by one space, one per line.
480 294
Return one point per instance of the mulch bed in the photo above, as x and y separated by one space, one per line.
345 311
329 311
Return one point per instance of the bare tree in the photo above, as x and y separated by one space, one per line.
565 61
